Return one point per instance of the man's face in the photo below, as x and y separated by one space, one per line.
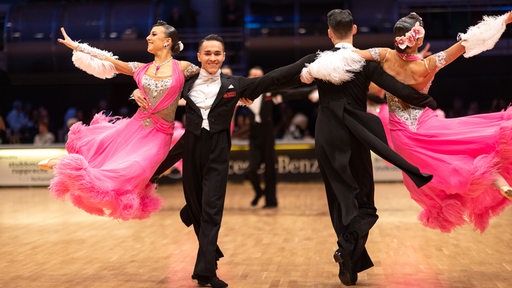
211 55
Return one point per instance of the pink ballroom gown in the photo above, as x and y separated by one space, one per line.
109 162
464 154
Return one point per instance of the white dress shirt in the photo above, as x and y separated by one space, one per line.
203 93
344 45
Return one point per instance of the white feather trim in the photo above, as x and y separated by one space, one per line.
94 66
336 66
483 36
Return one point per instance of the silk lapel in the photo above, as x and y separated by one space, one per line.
224 84
186 90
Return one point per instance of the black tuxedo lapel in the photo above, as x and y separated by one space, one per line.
186 90
224 84
188 85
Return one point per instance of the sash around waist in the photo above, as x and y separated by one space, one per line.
149 120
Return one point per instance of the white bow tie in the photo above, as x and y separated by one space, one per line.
209 77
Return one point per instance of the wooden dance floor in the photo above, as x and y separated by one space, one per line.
47 243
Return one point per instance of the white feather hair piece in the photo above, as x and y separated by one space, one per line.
483 36
93 65
336 66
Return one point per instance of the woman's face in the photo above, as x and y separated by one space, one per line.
157 40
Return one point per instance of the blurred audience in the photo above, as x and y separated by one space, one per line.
298 129
19 124
3 132
294 117
242 124
44 137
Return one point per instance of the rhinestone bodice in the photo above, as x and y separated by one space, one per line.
406 113
155 90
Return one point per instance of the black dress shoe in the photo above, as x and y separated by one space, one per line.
268 206
213 282
346 273
256 199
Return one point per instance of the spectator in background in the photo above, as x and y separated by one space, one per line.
261 146
298 128
285 116
457 109
498 104
18 122
69 123
474 108
242 124
225 69
3 132
44 137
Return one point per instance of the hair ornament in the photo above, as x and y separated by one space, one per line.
409 39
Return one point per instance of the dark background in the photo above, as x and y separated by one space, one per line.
269 33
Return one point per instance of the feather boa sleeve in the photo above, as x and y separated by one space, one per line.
91 60
483 36
335 66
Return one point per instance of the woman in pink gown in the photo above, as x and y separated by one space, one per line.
110 162
470 157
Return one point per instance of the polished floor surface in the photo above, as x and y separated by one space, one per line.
48 243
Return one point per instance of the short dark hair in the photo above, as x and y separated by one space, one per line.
211 37
341 22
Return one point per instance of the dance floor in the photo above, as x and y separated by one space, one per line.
48 243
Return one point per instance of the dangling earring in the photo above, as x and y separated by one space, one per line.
166 45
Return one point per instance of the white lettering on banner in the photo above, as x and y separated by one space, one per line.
238 167
296 166
285 165
18 167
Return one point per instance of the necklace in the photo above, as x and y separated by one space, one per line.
410 57
157 66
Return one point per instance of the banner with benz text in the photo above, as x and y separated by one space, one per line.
296 162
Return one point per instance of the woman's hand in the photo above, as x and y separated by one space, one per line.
67 40
509 18
139 98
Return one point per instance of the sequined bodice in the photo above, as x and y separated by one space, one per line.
406 113
155 90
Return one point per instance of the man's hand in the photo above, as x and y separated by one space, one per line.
244 101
